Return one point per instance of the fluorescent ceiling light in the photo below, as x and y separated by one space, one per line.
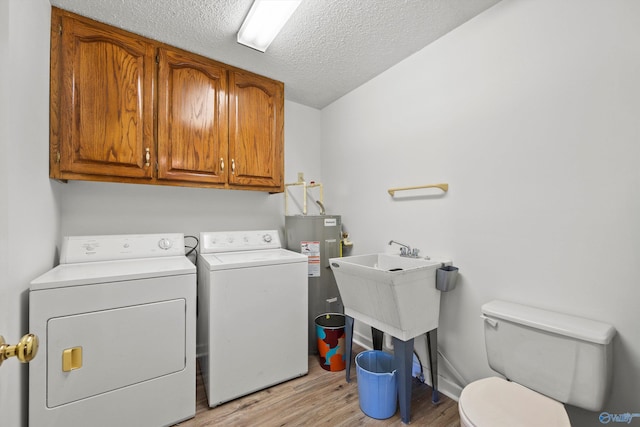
264 21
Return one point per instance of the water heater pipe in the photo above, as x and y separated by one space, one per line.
305 187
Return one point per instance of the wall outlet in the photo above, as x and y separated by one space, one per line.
300 176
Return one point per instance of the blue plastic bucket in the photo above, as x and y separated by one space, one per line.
377 384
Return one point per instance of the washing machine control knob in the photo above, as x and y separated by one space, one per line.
165 244
267 238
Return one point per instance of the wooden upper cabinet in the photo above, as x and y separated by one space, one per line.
192 118
105 117
125 108
256 122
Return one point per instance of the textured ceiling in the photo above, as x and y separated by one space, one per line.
327 49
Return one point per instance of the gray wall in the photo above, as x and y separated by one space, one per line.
531 113
29 214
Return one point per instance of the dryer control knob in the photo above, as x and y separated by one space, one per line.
165 244
267 238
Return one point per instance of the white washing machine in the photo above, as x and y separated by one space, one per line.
116 322
252 313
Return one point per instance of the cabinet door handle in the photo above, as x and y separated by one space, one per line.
221 164
233 167
147 157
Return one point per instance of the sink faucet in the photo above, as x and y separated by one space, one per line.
406 250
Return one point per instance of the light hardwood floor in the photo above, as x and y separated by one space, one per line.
320 398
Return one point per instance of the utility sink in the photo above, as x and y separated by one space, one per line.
394 294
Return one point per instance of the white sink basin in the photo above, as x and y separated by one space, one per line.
394 294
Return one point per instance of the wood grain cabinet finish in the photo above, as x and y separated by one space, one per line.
105 103
255 130
192 118
125 108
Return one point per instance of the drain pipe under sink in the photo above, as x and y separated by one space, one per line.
458 378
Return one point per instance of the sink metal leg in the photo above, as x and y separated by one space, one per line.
348 341
432 349
377 337
403 361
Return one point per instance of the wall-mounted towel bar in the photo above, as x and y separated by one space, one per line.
443 187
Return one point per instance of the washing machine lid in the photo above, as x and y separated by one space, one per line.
229 260
88 273
495 402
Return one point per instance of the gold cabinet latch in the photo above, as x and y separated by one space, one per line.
25 350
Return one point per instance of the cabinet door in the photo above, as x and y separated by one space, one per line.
192 118
256 144
106 116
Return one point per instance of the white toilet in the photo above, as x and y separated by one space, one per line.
549 359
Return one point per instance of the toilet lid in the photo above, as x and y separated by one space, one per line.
496 402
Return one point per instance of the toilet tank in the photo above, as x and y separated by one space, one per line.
565 357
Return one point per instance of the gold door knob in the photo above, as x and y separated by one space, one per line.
25 350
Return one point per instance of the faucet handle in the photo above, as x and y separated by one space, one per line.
414 252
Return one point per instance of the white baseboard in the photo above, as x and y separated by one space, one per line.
362 340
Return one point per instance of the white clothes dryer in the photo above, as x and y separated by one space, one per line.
116 321
252 313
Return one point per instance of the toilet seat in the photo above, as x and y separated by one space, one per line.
495 402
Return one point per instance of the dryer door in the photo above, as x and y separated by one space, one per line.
93 353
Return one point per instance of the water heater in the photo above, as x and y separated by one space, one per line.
318 237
